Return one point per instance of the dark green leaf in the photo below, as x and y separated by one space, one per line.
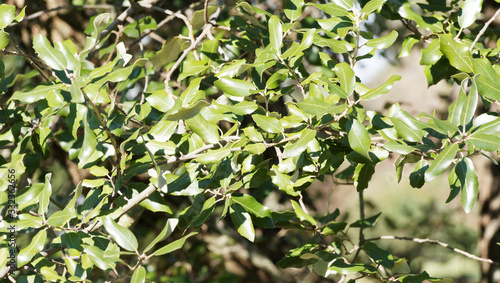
362 176
367 222
379 255
359 140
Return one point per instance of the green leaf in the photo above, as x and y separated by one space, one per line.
457 53
192 92
487 82
379 255
275 33
407 45
139 275
252 206
209 132
36 94
167 230
296 258
346 77
382 89
160 100
333 228
367 222
469 184
331 9
122 236
48 54
490 127
89 152
489 143
59 218
213 156
362 176
359 140
242 221
396 147
235 87
340 267
4 39
244 107
383 42
169 51
268 124
71 60
442 162
302 215
50 274
44 197
36 245
455 109
7 15
346 4
469 11
204 214
431 54
417 177
293 9
470 105
296 148
409 132
372 5
314 106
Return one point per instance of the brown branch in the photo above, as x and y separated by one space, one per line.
435 242
483 30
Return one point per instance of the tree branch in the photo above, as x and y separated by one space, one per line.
435 242
483 30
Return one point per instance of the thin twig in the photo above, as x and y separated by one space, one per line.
361 216
435 242
483 30
206 29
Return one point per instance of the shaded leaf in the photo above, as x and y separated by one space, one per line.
379 255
